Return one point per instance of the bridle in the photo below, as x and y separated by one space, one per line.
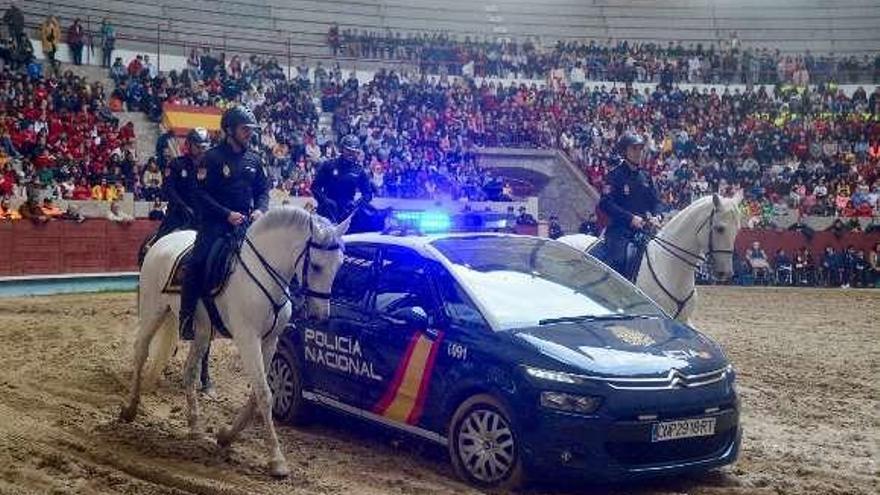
688 257
300 281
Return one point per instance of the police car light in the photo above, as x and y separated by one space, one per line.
424 221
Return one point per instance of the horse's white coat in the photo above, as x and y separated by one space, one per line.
280 236
683 230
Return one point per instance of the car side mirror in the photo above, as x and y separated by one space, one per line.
412 315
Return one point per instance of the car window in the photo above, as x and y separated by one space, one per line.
355 276
459 308
402 282
521 281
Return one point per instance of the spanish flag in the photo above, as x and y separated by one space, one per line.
182 118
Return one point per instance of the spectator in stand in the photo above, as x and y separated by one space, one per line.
874 264
103 191
116 215
758 261
31 210
525 218
108 42
831 268
14 20
554 228
73 214
50 209
784 268
50 33
76 38
803 267
157 211
152 180
7 213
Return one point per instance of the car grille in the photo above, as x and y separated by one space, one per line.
688 449
675 379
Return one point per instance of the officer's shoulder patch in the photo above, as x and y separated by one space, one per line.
226 170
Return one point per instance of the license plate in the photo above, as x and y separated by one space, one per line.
686 428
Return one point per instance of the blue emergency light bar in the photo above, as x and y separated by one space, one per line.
424 221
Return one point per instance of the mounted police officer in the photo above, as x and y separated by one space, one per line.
630 200
231 189
338 180
180 183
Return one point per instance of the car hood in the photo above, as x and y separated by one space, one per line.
642 347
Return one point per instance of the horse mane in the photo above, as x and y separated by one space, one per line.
288 217
701 203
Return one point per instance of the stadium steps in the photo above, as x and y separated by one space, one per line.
146 132
91 73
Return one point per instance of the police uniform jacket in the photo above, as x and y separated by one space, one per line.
339 181
230 182
629 192
180 184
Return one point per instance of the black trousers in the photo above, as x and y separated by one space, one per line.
193 282
617 241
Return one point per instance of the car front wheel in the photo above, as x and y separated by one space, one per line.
483 444
285 381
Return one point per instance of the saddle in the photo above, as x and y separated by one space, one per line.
633 261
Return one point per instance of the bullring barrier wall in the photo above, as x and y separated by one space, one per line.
100 246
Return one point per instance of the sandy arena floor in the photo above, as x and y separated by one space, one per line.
808 364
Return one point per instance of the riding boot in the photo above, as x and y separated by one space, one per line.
207 384
189 299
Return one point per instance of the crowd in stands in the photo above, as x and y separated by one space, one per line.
727 61
812 151
850 267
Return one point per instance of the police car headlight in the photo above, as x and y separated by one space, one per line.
553 376
561 401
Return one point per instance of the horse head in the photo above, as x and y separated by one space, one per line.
721 227
318 263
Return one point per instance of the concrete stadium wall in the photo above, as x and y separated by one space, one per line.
264 26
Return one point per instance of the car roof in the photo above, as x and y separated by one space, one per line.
419 243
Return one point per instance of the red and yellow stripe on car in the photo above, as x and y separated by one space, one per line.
404 400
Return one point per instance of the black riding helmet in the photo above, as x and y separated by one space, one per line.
236 116
350 142
198 136
627 140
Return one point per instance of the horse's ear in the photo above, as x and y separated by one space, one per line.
343 226
716 200
738 196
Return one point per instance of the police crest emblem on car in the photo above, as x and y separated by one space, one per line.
631 336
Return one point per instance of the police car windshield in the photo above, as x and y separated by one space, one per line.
523 281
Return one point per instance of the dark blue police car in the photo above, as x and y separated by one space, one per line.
519 354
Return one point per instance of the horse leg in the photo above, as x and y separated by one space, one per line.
147 329
228 435
252 357
191 372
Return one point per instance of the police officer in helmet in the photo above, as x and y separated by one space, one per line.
338 180
231 189
630 200
180 183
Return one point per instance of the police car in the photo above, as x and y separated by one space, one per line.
519 354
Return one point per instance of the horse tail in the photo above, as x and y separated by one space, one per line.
157 335
162 347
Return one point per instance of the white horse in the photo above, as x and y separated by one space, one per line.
704 230
284 246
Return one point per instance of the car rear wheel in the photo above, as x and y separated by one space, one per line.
285 381
483 444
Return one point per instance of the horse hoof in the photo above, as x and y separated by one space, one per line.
279 469
127 414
